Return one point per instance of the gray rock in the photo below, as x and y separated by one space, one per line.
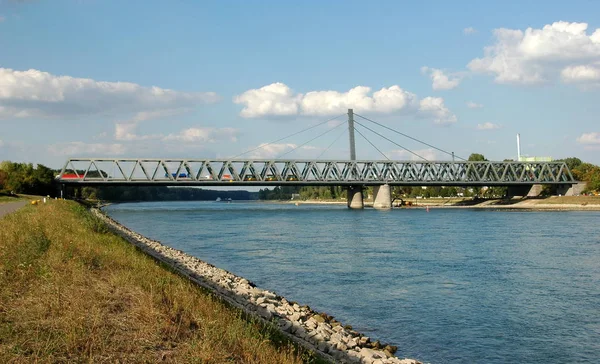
284 325
322 346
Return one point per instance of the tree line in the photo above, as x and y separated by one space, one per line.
25 178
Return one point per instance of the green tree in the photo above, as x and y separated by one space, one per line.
476 157
572 162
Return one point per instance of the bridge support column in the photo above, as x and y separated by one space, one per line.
525 191
355 197
535 190
382 197
575 189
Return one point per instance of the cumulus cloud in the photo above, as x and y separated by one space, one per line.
474 105
536 56
35 93
81 148
487 126
386 100
469 31
278 99
589 139
274 99
434 107
401 154
126 130
273 150
441 81
581 74
204 135
265 150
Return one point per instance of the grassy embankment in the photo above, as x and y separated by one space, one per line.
8 198
72 291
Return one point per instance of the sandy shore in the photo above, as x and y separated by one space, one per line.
575 203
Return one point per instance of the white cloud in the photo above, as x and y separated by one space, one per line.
583 74
274 99
278 99
35 93
401 154
386 100
81 148
488 126
540 55
474 105
126 130
267 151
469 31
434 107
441 81
2 18
589 139
204 135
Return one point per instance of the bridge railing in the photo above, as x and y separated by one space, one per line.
99 171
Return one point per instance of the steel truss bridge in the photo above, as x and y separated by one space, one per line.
250 172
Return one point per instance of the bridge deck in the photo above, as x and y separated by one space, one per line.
222 172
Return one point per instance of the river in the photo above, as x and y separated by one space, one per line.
444 285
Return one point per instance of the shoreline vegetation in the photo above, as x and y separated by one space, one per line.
70 290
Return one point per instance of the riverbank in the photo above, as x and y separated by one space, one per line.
313 330
551 203
70 290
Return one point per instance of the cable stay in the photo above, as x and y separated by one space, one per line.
391 141
373 145
332 143
289 136
303 144
409 137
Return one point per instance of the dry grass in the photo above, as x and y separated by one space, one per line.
71 291
571 200
7 198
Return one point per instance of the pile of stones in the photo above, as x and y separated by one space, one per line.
316 331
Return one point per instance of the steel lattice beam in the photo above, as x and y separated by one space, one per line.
215 172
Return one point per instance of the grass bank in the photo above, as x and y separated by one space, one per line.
72 291
9 198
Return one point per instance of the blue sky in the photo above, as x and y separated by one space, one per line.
192 79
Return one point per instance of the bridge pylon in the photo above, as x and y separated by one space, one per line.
382 195
354 193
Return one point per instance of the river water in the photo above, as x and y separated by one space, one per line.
445 286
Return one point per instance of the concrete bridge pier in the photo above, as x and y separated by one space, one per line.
575 189
525 190
355 197
382 197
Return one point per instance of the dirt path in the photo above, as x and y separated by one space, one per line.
7 208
